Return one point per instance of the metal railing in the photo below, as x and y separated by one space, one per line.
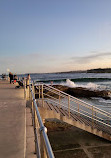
73 105
42 145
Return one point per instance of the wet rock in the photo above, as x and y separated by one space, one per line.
83 92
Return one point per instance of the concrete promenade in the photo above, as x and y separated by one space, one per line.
12 121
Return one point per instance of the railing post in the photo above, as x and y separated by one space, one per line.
92 117
24 89
42 97
38 140
39 91
33 88
35 129
42 147
95 116
59 100
69 105
32 112
78 109
37 135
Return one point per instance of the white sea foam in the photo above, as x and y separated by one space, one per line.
101 100
105 101
90 85
69 83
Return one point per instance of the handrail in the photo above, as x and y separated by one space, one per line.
77 99
86 115
42 128
95 109
77 105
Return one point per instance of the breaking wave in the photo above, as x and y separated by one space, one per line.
89 85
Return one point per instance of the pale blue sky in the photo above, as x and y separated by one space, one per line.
54 35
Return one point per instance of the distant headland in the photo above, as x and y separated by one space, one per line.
99 70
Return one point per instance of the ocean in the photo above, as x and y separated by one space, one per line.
93 81
88 80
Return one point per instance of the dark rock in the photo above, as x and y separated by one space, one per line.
83 92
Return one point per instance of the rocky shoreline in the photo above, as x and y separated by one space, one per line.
84 92
79 92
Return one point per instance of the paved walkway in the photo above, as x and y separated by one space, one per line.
12 121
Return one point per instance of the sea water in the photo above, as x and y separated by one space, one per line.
88 80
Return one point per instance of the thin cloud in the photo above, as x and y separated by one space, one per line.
91 58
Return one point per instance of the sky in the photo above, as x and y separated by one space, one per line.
40 36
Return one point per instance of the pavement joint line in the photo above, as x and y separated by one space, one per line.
96 146
82 147
67 149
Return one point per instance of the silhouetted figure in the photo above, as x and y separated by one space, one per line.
11 77
28 80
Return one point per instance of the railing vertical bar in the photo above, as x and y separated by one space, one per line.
92 117
39 91
24 89
59 100
35 126
42 97
78 109
32 112
69 105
